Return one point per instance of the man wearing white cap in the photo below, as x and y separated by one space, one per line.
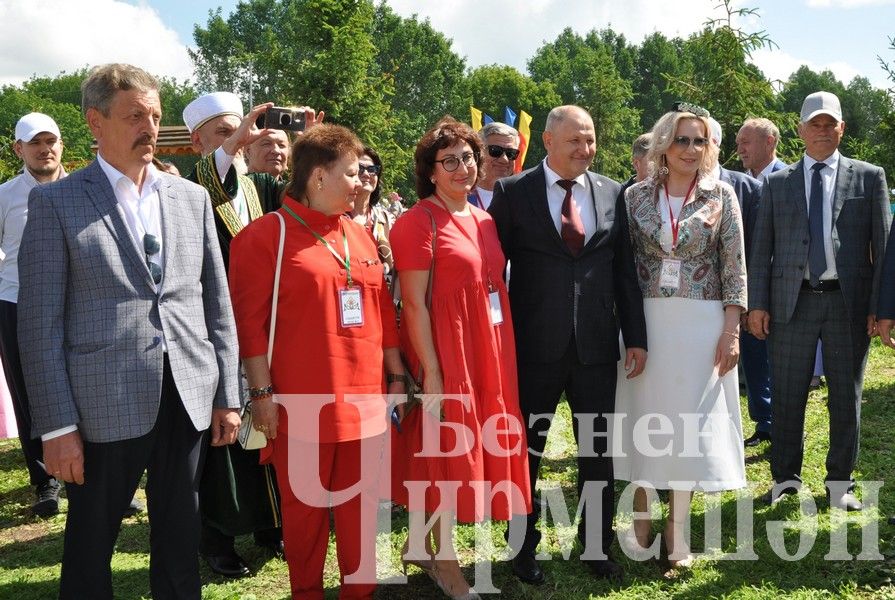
39 145
814 272
237 494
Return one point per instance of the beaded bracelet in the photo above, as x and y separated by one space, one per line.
257 393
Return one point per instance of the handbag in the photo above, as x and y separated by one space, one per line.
249 437
414 373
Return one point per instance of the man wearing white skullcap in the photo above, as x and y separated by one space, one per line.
237 495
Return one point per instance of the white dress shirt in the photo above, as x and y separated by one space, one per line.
828 178
580 193
766 171
13 216
485 196
141 210
223 162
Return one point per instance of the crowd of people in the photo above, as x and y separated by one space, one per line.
419 354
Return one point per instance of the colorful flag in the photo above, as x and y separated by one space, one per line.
509 117
476 117
524 138
486 118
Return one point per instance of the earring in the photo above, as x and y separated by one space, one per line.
663 170
319 184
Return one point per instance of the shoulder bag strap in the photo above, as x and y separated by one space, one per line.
276 288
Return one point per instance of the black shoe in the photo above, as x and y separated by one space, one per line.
771 499
757 438
133 508
606 569
228 565
275 547
47 499
527 569
846 501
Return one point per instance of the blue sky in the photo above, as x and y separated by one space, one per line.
845 36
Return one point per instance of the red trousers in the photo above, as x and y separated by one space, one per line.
306 520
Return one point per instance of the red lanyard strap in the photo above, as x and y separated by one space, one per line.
676 222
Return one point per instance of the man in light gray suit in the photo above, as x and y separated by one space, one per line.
814 272
127 341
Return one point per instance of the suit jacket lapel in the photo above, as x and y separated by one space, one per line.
600 209
171 215
844 175
795 184
536 193
103 198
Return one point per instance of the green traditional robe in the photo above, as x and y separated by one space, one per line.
237 495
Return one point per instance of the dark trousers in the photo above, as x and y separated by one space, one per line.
15 381
792 348
590 391
171 453
757 371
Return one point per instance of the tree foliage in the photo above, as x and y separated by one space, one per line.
583 72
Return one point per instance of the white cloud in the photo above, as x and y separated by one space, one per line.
509 32
44 38
846 4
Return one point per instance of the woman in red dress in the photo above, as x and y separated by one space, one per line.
335 338
464 343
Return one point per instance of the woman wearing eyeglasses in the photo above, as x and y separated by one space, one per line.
463 339
374 213
687 235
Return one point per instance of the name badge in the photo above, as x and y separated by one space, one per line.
671 273
496 310
351 309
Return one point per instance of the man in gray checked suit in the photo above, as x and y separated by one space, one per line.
127 341
814 272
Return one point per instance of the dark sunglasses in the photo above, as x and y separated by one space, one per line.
498 151
371 169
684 141
151 247
689 107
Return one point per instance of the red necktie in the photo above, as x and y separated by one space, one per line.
572 229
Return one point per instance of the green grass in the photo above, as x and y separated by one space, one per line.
30 549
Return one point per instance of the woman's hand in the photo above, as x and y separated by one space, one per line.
727 354
433 389
265 416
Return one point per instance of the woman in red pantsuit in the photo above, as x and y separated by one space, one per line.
464 343
324 345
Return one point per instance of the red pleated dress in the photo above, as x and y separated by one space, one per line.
483 466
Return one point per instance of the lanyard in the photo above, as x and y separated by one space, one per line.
480 243
676 223
345 262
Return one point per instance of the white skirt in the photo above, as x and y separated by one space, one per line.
677 425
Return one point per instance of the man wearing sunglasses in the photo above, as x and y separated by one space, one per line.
501 144
565 231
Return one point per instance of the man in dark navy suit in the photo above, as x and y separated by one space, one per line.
565 231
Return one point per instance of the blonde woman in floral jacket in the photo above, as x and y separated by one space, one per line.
687 235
